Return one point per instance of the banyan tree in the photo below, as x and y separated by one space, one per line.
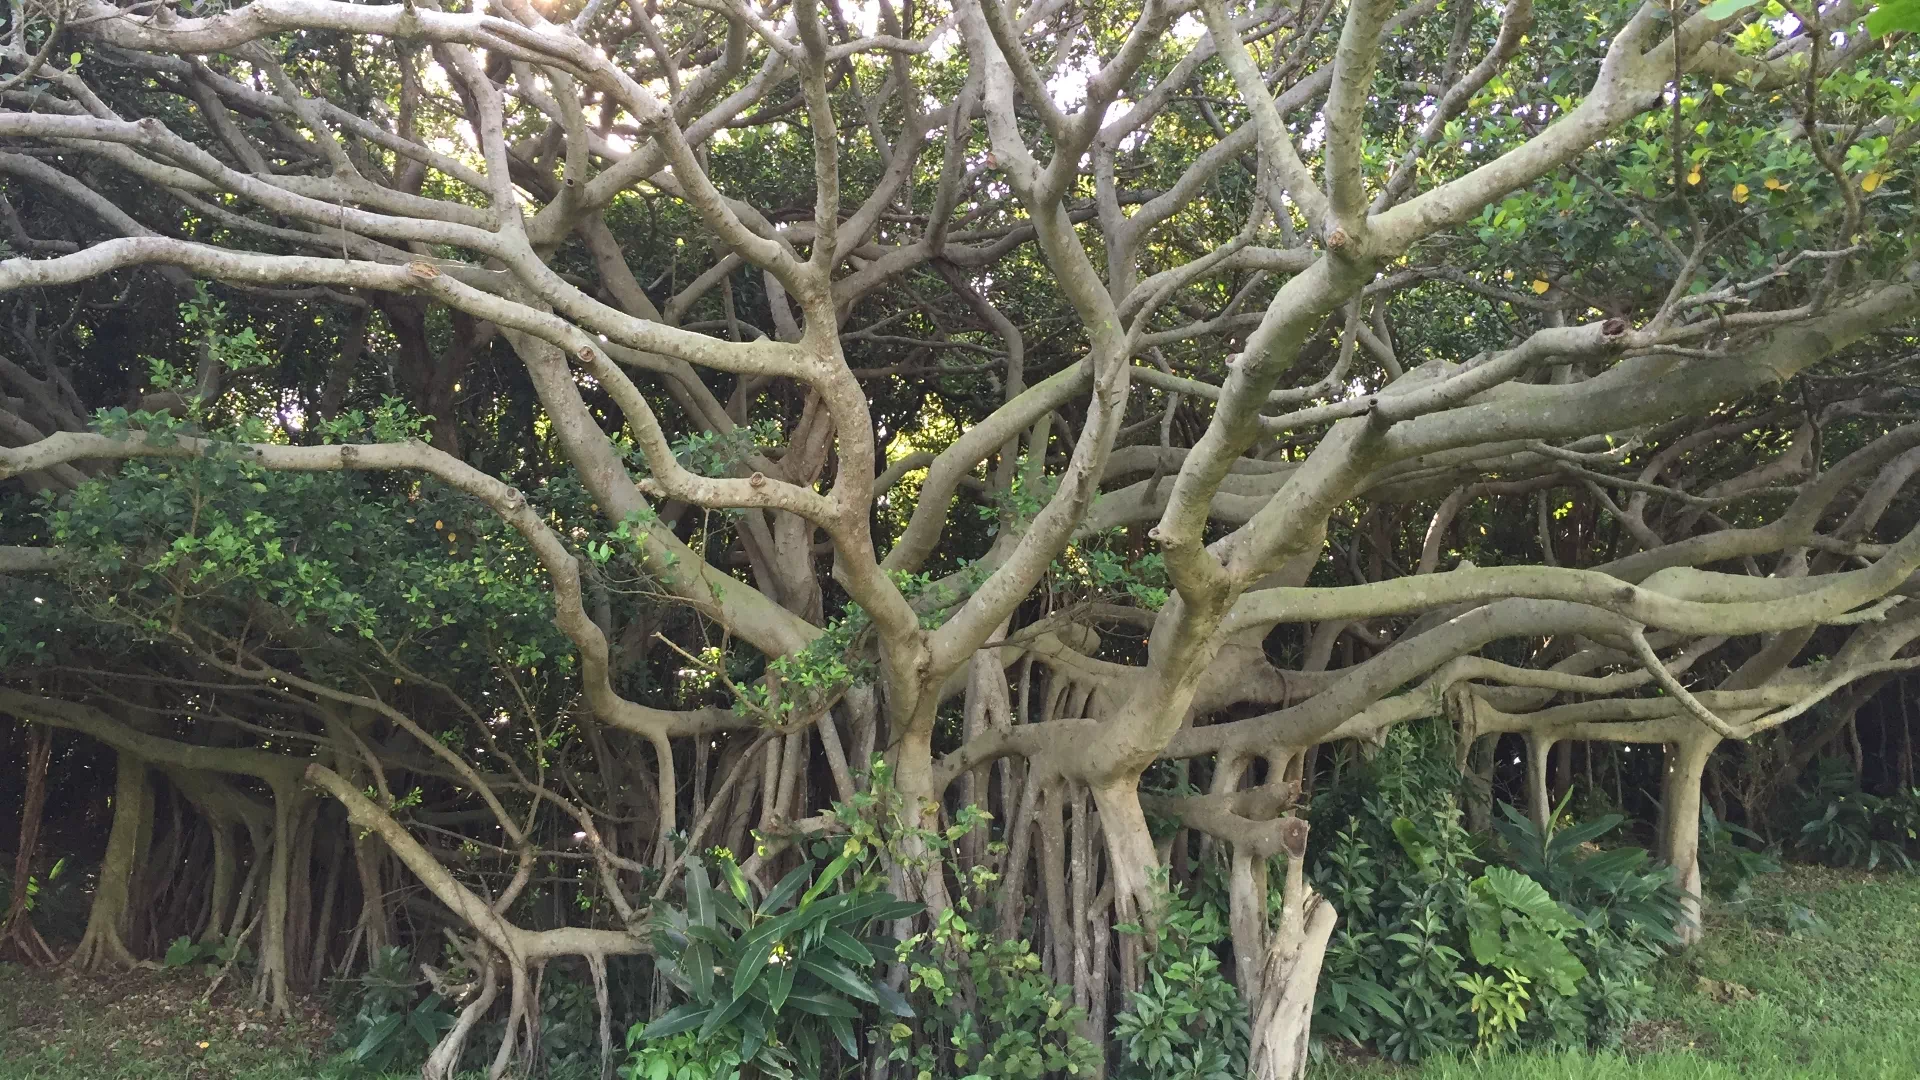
456 453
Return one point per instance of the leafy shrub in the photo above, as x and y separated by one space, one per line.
569 1026
391 1026
1436 948
1727 866
1843 825
1629 910
680 1057
59 902
1188 1022
984 1007
212 956
1619 890
763 976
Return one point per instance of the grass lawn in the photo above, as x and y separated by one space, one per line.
1753 1002
144 1026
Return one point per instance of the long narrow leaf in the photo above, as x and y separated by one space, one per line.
843 1031
700 909
821 1003
845 946
675 1021
892 1000
780 984
784 891
840 977
721 1017
827 877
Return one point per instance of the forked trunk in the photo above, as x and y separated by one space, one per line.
1280 999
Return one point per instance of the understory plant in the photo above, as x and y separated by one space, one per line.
1441 945
1187 1021
788 978
390 1025
1729 863
1841 824
983 1005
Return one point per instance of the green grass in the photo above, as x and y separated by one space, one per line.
142 1026
1753 1002
1756 1002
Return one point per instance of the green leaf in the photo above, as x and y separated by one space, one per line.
696 966
821 1004
828 877
1525 895
780 984
847 948
181 953
1373 996
1893 16
1486 945
700 907
736 881
1726 9
788 886
427 1021
892 1000
753 1031
843 1031
378 1034
840 977
719 1018
1570 838
755 951
733 911
675 1021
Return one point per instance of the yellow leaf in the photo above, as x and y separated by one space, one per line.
439 525
1693 177
1739 193
1540 285
451 537
1774 184
1870 181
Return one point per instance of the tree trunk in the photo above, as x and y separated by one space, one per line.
376 918
1281 1013
1562 769
288 806
1680 825
16 930
1130 852
1539 798
913 778
104 945
1481 758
